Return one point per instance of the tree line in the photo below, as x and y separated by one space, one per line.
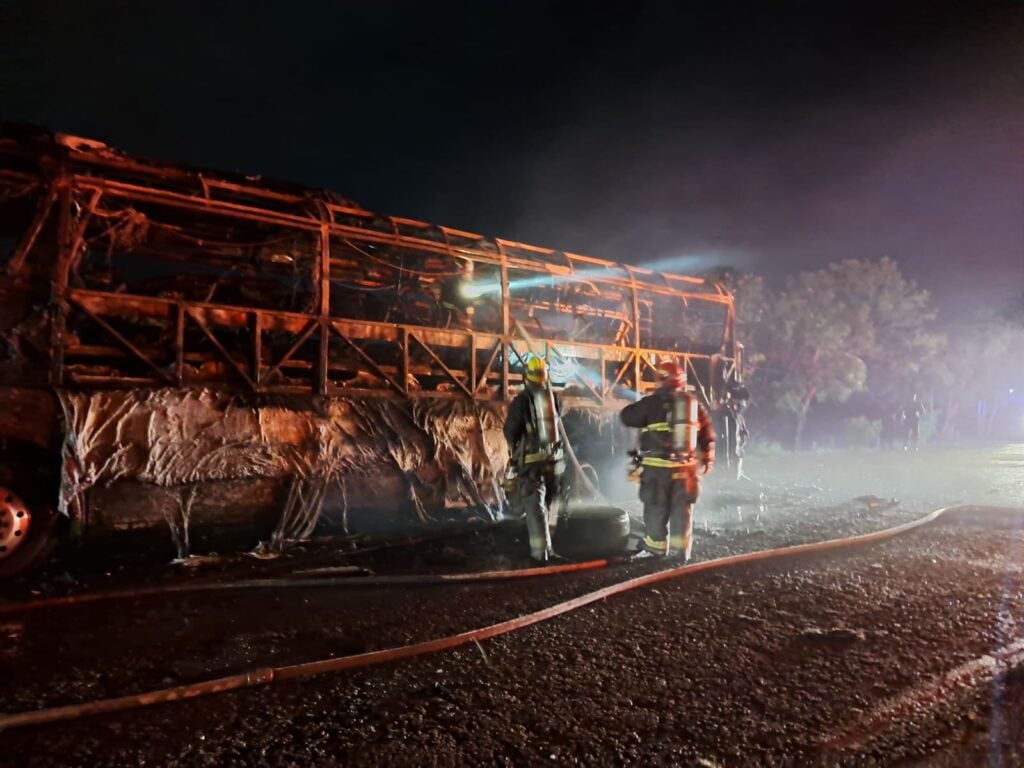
857 337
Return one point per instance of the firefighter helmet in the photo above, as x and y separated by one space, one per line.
537 370
671 374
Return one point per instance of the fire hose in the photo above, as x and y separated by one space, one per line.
267 675
353 581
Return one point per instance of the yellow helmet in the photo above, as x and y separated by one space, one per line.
537 370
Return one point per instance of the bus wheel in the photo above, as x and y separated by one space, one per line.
26 536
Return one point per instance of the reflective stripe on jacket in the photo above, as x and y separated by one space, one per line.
664 440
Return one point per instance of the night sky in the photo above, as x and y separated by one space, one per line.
770 136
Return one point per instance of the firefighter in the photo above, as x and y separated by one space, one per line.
735 400
531 430
912 413
676 435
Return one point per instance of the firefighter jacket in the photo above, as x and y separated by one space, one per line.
531 427
673 428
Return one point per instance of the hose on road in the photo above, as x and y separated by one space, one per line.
352 581
266 675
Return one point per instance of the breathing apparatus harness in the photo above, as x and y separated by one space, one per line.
680 426
541 429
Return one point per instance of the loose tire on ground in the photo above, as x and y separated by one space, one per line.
592 530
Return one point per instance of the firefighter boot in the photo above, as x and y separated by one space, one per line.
650 547
681 529
681 546
539 534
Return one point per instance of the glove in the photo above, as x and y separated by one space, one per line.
706 464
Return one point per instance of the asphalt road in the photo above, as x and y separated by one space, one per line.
902 653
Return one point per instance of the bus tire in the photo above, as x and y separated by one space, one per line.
28 528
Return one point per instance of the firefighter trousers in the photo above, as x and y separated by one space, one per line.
668 495
536 490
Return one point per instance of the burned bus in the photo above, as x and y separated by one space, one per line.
230 358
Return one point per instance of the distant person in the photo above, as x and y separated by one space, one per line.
531 430
912 413
735 402
676 436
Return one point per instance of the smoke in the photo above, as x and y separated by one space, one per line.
907 151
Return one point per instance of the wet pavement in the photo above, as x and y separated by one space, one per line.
838 659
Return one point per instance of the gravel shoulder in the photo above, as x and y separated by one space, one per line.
786 663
